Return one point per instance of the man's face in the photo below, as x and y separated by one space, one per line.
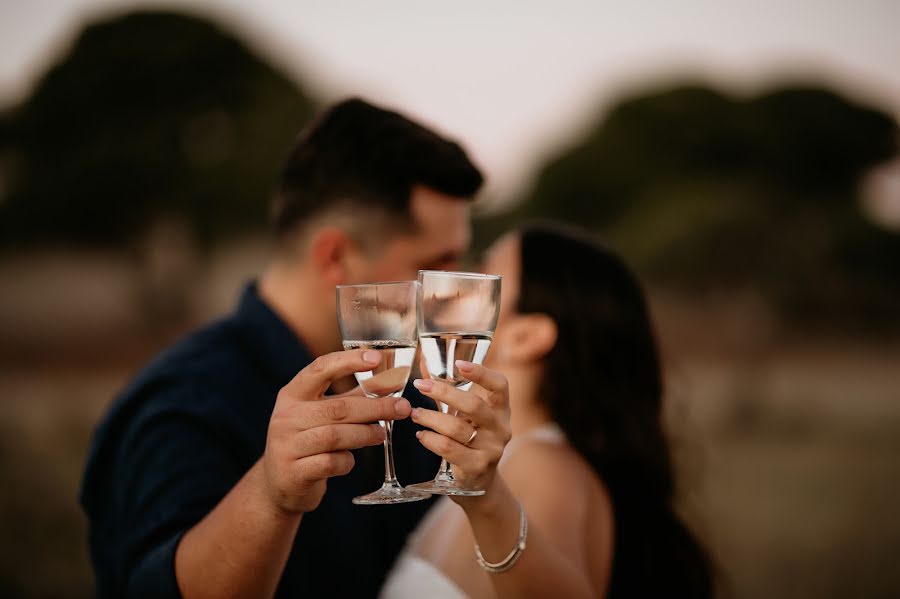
438 241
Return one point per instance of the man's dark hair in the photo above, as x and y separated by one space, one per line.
359 155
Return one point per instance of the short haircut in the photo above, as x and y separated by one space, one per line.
360 159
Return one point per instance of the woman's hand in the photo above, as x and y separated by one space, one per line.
475 459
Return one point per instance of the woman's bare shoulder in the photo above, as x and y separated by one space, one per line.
555 482
535 459
537 464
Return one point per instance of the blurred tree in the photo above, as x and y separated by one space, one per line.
151 115
699 189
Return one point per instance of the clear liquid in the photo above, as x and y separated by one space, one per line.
391 374
442 350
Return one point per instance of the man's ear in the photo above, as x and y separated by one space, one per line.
530 337
329 252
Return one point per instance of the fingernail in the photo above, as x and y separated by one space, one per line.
464 366
415 413
382 432
401 407
425 385
371 357
418 434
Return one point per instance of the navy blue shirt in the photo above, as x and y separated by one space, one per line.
188 428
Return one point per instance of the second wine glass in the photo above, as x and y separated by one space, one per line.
457 313
382 317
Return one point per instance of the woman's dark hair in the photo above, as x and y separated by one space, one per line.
603 386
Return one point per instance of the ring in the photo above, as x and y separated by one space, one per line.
472 438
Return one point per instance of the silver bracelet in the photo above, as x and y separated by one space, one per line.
510 560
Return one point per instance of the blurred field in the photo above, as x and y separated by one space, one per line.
789 447
760 194
790 459
74 327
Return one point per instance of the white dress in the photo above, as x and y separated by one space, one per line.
413 577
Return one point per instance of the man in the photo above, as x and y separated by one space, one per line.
208 476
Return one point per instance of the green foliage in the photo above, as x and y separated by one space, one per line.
698 189
150 115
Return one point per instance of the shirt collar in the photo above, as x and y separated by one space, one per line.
269 337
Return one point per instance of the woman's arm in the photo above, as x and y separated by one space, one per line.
552 489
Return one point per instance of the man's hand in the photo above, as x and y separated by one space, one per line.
310 435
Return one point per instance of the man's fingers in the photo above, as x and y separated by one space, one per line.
352 410
490 380
336 437
354 392
324 465
311 382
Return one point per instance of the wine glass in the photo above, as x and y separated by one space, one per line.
457 313
382 317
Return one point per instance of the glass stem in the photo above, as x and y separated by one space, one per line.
445 473
390 475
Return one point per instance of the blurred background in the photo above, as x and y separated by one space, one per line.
743 156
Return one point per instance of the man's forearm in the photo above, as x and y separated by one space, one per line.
240 548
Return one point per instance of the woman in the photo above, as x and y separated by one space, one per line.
588 461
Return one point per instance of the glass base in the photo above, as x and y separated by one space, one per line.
445 486
389 494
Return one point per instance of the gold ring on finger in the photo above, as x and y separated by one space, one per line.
472 437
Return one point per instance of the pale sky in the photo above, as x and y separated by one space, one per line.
515 79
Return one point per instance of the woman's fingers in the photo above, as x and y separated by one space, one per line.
490 380
468 403
454 427
475 463
464 459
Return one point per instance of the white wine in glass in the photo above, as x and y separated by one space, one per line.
457 315
382 317
442 350
392 373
